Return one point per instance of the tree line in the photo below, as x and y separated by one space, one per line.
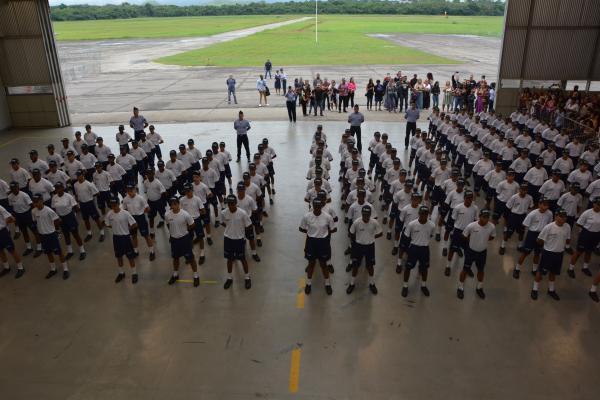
420 7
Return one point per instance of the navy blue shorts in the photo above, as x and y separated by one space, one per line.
6 242
24 220
515 223
69 222
198 228
157 207
89 210
182 247
50 243
360 251
123 246
271 169
587 240
530 243
418 255
475 257
142 224
551 261
227 171
456 240
317 249
500 209
234 249
206 216
404 242
102 199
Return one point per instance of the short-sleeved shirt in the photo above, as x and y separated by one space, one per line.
135 205
365 231
590 220
555 237
4 215
120 222
192 205
137 122
178 223
63 205
21 176
102 180
235 223
463 215
44 220
154 190
43 187
85 191
317 226
420 234
479 235
20 203
519 205
166 177
247 204
535 221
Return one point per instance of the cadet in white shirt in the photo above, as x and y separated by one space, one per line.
210 178
128 162
178 169
56 175
237 224
89 162
535 221
66 147
138 207
52 156
363 233
226 155
167 178
41 186
196 154
453 199
553 238
72 165
248 204
552 189
518 206
420 232
194 206
155 193
535 177
102 151
203 193
118 174
19 175
155 138
476 235
504 191
123 138
181 224
7 244
406 215
36 163
102 180
462 215
588 239
318 227
47 222
122 223
20 204
89 138
571 202
85 192
66 206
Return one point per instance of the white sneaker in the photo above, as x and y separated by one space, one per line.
267 104
260 105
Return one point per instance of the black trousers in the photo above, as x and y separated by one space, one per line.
355 130
291 109
243 139
411 130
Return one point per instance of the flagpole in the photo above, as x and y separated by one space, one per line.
316 21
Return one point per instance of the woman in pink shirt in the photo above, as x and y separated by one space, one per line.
351 90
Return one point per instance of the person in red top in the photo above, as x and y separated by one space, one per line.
351 90
343 95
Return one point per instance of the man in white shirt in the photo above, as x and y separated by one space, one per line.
420 232
85 192
462 215
194 206
517 208
553 239
181 224
155 193
237 223
122 223
102 152
476 235
363 233
588 239
47 222
535 221
6 244
102 180
66 206
138 207
318 227
20 204
248 204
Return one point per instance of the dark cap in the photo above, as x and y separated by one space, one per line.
190 141
182 146
37 197
468 193
35 171
423 210
51 163
33 151
241 186
160 163
484 213
246 175
173 200
366 210
562 213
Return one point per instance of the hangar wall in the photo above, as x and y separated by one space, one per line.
4 114
545 42
30 71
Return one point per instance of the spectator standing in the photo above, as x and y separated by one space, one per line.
261 86
403 89
138 123
435 95
278 82
355 119
290 102
242 127
351 90
412 115
370 93
343 94
231 89
448 97
492 96
379 92
283 82
268 67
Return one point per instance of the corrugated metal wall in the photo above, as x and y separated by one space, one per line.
29 58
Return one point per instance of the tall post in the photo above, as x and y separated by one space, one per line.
316 21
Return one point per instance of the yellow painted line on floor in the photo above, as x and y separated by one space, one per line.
20 138
300 296
295 371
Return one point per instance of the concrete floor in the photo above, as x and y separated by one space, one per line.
105 79
88 338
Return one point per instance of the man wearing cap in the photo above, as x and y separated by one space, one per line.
241 127
581 175
504 191
248 204
571 202
475 155
52 156
156 195
535 221
65 207
318 226
194 206
363 233
41 186
411 116
518 206
453 199
462 215
535 178
178 169
6 244
138 123
47 223
20 204
181 225
156 139
138 207
210 178
188 161
492 179
167 178
123 138
36 163
121 223
19 174
588 239
419 232
72 165
55 175
238 226
407 214
85 192
564 165
216 162
148 148
203 193
476 235
128 162
89 137
78 142
141 159
226 156
66 147
102 152
118 174
102 180
553 240
89 162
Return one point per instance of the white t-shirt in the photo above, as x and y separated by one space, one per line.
85 191
209 177
63 205
590 220
20 203
120 222
479 235
102 181
519 205
355 210
317 226
192 205
552 190
536 176
236 223
44 220
583 178
463 215
21 176
178 223
43 187
555 237
154 189
136 205
505 190
201 191
102 152
71 168
535 221
166 177
247 204
4 216
365 231
570 203
88 160
455 198
177 167
420 234
116 171
58 176
126 161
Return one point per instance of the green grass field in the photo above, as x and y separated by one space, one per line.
149 28
343 40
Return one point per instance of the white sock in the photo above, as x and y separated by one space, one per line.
536 285
121 271
352 280
517 267
399 262
135 250
253 252
101 232
20 265
479 285
38 247
551 286
586 265
28 245
258 237
308 282
229 276
571 267
247 276
371 280
196 275
594 288
201 252
438 230
52 267
208 235
535 267
404 284
503 244
152 231
327 283
6 266
423 284
81 249
151 249
65 266
461 285
134 270
89 233
176 274
69 248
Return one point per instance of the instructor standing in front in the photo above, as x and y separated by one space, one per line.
242 127
355 119
412 115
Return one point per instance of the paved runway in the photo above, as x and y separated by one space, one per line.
88 338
